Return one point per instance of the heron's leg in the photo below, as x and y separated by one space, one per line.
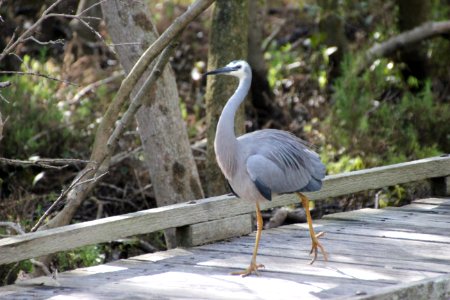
314 237
253 267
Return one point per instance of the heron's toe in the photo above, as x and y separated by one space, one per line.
253 268
316 246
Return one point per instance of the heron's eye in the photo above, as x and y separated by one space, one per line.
238 67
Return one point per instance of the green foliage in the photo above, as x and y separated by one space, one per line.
34 119
344 163
80 257
377 117
278 60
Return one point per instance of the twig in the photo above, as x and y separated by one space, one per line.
81 19
28 32
93 86
48 163
136 103
101 153
46 14
16 227
32 38
74 184
37 74
90 7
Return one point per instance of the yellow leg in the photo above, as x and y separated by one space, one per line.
314 237
253 267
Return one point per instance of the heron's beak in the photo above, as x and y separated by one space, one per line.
221 71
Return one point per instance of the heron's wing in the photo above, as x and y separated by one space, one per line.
283 163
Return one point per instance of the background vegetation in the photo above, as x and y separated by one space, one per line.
385 113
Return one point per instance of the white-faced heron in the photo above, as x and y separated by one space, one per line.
260 164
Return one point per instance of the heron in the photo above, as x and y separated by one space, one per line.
264 163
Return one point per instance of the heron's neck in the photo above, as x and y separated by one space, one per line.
225 142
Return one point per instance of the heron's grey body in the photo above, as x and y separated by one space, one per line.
263 162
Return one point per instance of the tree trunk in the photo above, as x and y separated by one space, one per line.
228 41
412 13
264 107
163 133
332 26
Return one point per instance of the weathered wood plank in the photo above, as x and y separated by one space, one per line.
397 217
103 230
349 250
368 258
444 202
207 232
177 281
423 208
434 288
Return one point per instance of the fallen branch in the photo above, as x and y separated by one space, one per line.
407 38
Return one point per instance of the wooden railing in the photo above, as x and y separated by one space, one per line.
213 218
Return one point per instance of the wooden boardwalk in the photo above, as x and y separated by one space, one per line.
373 254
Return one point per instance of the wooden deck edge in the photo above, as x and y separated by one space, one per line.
426 289
68 237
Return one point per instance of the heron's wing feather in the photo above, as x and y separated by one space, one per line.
283 162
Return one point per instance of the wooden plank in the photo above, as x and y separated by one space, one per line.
423 208
126 280
207 232
434 288
103 230
351 250
393 217
381 256
414 233
444 202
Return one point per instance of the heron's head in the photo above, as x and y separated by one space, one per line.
236 68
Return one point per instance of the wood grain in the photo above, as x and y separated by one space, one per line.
103 230
403 257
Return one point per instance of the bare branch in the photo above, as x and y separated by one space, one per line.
39 75
90 7
74 184
49 163
136 103
15 226
32 38
27 32
101 153
81 19
95 85
46 14
405 39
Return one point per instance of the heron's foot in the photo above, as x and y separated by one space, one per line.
253 268
316 246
